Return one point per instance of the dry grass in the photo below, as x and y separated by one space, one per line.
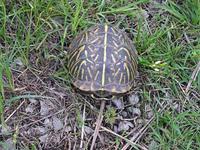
40 110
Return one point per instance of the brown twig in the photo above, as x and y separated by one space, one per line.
82 128
14 111
137 136
98 124
127 140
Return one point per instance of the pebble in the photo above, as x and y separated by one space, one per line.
68 129
148 111
124 114
149 114
29 108
4 130
136 112
88 130
34 101
40 130
139 121
57 124
48 123
153 145
44 108
129 109
133 99
43 138
115 129
124 126
17 64
118 103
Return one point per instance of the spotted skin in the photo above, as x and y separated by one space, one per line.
102 61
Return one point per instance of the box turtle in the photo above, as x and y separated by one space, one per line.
102 62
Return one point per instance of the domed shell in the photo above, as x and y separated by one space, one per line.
102 61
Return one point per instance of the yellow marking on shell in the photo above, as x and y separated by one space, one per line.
80 66
121 77
109 79
77 55
74 65
92 56
104 55
99 42
96 30
126 50
120 37
92 86
114 39
126 58
95 78
95 49
113 58
124 79
86 37
86 77
89 47
86 53
89 72
118 63
133 66
75 70
113 90
114 32
116 73
96 39
82 73
81 49
95 59
72 56
115 43
132 72
81 40
134 57
124 90
127 71
90 61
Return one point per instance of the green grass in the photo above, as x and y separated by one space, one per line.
6 82
168 45
177 132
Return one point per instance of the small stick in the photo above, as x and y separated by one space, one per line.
14 111
127 140
82 129
98 124
141 132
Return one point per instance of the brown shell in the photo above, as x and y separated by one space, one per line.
103 61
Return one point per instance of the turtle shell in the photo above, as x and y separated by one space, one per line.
102 61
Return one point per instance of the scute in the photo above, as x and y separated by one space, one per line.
102 61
